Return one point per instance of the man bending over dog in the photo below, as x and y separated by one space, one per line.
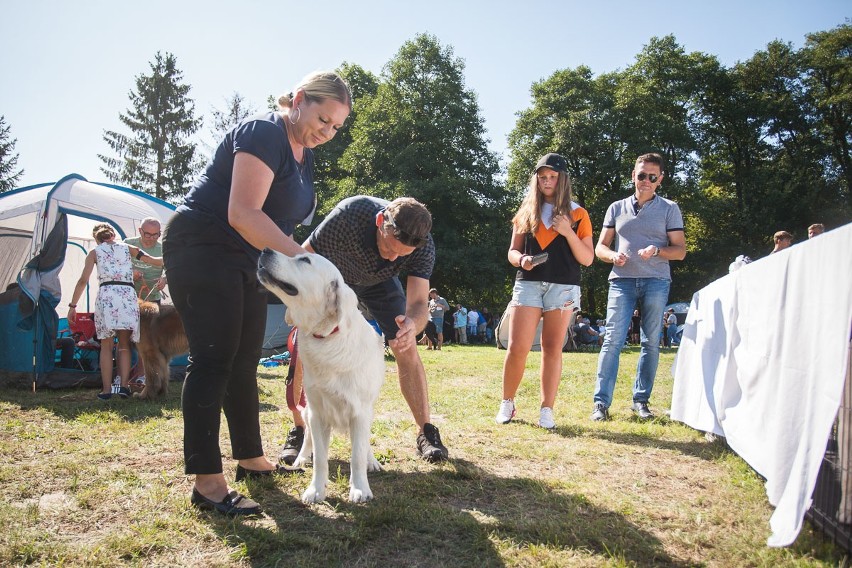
371 241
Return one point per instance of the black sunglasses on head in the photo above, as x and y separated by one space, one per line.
405 238
651 177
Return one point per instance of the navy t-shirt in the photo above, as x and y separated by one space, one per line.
291 197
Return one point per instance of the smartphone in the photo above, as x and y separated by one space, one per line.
539 259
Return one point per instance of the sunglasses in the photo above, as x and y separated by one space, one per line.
650 177
148 235
405 238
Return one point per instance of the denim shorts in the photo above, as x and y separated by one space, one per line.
545 295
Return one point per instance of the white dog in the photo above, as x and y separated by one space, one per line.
343 364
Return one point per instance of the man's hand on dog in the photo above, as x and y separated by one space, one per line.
406 337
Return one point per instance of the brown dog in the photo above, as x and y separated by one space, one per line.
161 337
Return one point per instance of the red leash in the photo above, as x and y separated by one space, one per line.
293 347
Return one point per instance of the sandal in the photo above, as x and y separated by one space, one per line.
229 506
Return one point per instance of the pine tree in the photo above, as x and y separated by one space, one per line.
236 110
157 157
8 159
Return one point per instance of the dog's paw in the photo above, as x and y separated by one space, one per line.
360 495
312 495
373 464
302 462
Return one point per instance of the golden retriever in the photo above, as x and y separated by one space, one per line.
343 362
161 337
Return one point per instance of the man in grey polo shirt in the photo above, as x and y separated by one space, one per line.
371 241
650 234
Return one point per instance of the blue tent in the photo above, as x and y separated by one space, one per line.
45 234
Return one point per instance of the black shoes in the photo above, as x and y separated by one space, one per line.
641 410
292 446
243 473
601 412
232 505
429 445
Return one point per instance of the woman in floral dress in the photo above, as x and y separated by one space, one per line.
116 307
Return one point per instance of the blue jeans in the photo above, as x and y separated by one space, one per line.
624 293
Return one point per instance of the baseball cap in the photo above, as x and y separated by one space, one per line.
552 161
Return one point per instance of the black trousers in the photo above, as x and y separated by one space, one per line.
214 286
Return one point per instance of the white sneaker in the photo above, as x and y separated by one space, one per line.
507 412
545 418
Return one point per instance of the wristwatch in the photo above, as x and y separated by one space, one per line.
656 251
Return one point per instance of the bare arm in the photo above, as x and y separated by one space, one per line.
146 258
250 185
416 314
516 254
582 249
88 265
603 250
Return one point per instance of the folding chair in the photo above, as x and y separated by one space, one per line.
87 348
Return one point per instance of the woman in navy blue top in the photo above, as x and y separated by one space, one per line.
258 186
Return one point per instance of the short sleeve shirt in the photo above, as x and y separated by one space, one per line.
146 288
347 237
635 230
291 198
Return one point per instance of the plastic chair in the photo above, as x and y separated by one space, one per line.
87 348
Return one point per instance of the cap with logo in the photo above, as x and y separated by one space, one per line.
552 161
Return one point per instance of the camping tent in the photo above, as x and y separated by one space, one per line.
45 234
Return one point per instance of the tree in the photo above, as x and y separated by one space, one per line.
236 110
422 135
158 156
8 158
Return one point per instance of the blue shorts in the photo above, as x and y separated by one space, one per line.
545 295
439 324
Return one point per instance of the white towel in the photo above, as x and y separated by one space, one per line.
762 362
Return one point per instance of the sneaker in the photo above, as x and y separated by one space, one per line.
601 412
545 418
124 392
292 446
506 413
104 395
641 410
429 445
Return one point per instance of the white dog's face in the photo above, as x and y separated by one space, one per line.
309 284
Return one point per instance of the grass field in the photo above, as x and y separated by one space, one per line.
87 483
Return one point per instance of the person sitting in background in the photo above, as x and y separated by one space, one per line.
671 327
782 240
489 324
815 229
585 333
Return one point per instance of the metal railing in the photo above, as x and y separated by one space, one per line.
831 510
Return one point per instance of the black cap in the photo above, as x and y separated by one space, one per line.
554 162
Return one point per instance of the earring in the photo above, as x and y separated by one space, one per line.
298 116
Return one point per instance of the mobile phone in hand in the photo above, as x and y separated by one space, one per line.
537 259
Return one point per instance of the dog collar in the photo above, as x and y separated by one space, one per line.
333 331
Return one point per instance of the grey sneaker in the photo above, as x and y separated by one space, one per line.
292 446
601 412
429 445
641 410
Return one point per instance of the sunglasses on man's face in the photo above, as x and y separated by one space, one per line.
405 238
650 177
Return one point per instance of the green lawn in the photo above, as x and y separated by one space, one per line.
87 483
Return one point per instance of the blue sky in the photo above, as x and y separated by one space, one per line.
68 66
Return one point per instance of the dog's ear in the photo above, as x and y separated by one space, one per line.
331 317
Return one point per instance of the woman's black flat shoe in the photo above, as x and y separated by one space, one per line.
243 473
229 506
